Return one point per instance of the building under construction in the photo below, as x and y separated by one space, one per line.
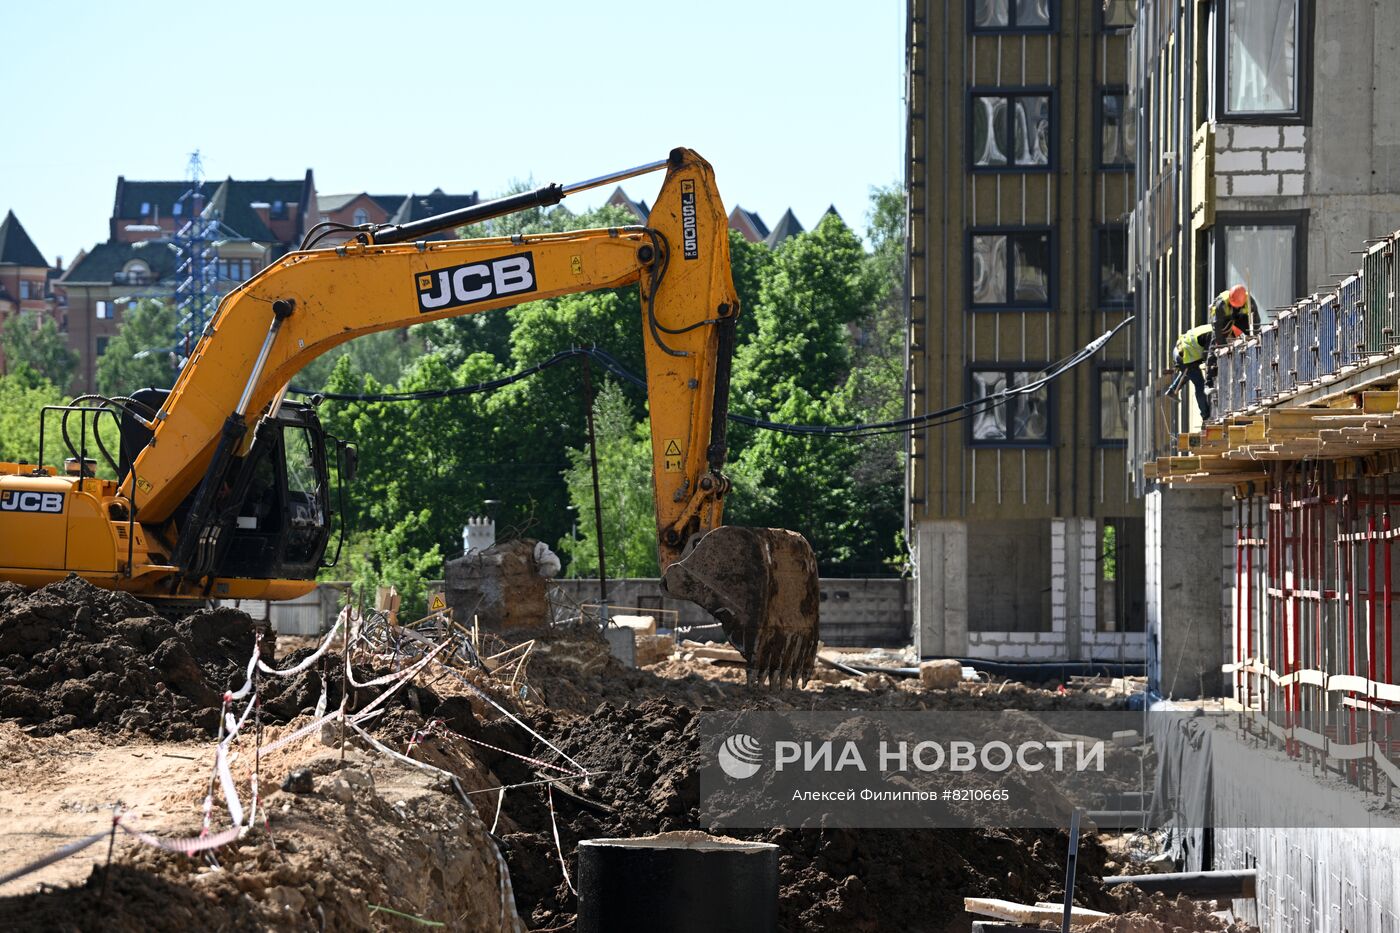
1268 159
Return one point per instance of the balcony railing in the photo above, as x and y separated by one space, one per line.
1318 340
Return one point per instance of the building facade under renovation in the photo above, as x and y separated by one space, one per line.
1025 529
1268 158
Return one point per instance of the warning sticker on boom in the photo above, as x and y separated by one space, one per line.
674 460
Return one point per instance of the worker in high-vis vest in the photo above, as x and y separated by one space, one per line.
1190 356
1234 314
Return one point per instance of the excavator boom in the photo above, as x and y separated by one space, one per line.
222 483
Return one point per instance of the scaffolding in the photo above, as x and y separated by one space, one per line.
1315 592
196 274
1308 441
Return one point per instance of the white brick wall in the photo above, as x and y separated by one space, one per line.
1260 161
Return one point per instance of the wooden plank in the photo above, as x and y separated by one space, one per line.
1028 913
1379 401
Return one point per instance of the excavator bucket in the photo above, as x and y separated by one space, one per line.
761 585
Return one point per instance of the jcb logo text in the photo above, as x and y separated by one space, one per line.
472 282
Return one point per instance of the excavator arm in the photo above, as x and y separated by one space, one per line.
184 491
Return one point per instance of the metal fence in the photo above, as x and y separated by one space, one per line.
1318 338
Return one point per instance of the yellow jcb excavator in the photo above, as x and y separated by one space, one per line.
222 485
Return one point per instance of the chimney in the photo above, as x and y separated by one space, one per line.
478 534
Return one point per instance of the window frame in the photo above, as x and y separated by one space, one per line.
1026 366
1096 258
1011 28
1301 114
1118 366
1052 285
1101 21
1010 92
1099 163
1224 220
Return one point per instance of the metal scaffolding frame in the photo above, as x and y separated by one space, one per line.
1313 616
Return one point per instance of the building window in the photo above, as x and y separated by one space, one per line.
1115 386
1010 270
24 290
1114 287
102 345
102 310
1011 15
361 216
1263 59
247 269
1020 418
1118 14
177 209
1010 130
279 209
137 273
1117 129
1266 252
145 208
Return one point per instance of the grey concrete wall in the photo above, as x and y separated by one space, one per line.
940 588
1009 579
1013 590
864 612
1186 587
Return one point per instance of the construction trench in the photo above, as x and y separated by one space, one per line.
219 794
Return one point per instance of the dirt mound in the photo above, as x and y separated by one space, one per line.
74 655
1140 912
124 899
831 879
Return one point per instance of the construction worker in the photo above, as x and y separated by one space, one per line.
1232 313
1190 356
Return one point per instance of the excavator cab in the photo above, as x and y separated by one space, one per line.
274 515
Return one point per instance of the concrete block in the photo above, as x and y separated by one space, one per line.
943 674
1016 652
1023 637
1294 137
654 648
1044 652
1240 160
642 625
1284 160
1255 137
1254 185
622 642
1291 183
1222 186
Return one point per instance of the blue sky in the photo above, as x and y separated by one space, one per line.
796 105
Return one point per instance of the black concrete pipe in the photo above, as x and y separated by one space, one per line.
683 882
1194 884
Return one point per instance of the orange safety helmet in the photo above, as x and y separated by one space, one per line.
1238 296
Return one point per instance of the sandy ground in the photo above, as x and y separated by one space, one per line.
60 788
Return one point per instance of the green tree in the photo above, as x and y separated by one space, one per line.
23 393
625 490
139 355
32 339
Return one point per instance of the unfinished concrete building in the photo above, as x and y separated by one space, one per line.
1269 157
1024 527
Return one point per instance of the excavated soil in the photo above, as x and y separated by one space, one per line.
76 657
855 880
